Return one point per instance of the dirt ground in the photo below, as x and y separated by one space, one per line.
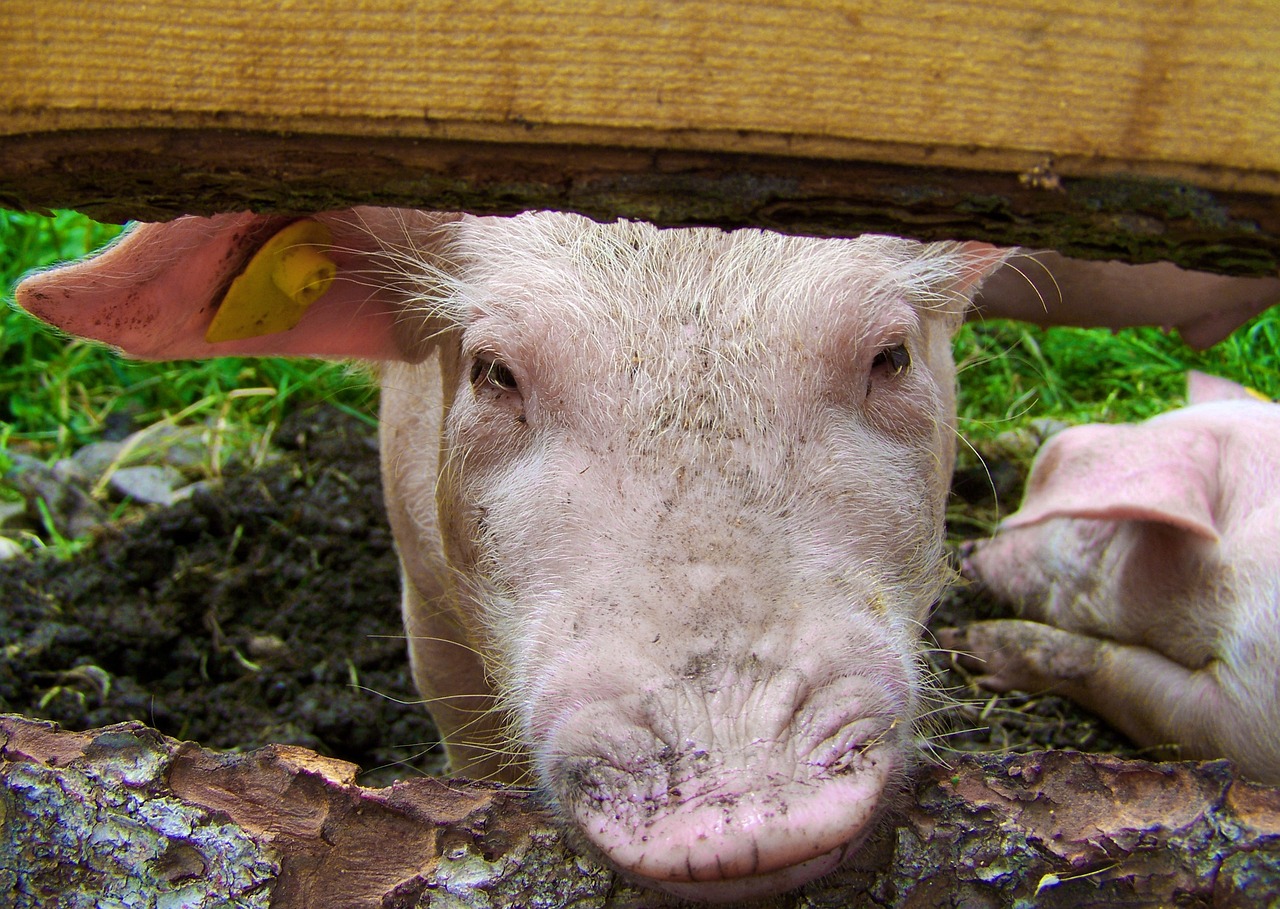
266 610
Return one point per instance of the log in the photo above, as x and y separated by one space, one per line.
125 816
1135 131
153 174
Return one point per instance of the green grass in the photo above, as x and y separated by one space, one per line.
1012 373
56 395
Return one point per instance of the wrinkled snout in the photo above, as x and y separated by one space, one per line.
733 785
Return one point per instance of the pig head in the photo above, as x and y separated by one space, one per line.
669 504
1145 562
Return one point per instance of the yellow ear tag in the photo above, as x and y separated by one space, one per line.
1257 394
289 273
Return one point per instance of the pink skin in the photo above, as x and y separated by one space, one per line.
668 503
1144 558
1049 289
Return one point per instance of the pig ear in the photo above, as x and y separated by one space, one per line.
155 292
1048 288
1125 473
1203 388
981 260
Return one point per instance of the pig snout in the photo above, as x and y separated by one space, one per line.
716 762
733 781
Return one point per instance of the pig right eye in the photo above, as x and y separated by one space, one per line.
892 360
486 371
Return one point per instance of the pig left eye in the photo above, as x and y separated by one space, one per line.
892 360
494 373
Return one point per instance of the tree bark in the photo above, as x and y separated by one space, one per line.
157 174
125 816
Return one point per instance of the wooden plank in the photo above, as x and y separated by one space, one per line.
1139 130
1169 87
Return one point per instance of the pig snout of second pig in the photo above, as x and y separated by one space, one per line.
1145 563
669 504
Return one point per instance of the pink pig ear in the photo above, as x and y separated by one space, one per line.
1203 388
981 261
154 293
1125 473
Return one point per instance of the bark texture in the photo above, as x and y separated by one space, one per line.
122 816
156 174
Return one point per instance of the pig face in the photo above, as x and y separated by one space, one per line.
1144 564
668 503
690 497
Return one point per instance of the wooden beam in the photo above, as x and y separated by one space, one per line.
1140 130
1172 85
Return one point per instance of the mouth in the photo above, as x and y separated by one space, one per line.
758 886
728 827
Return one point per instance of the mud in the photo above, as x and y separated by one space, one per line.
265 609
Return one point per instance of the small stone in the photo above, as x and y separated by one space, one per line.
149 485
183 447
267 648
9 548
1046 427
68 471
94 459
12 511
61 488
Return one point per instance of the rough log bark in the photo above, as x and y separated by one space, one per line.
123 816
156 174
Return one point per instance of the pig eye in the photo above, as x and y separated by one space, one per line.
892 360
494 373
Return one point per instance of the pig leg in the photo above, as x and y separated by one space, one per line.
1148 697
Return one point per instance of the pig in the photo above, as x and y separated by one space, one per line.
1145 564
668 503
